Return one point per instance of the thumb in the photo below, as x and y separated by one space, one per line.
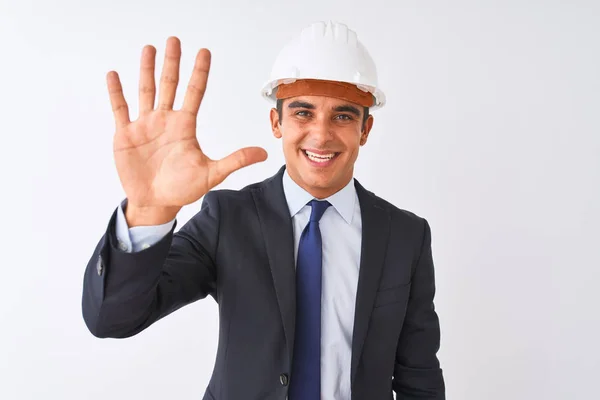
237 160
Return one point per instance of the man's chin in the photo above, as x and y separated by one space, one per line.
319 180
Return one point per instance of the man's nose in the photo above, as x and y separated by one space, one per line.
321 130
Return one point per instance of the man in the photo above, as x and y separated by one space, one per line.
324 289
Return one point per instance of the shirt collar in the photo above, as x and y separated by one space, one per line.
343 201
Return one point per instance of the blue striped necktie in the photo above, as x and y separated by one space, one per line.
305 380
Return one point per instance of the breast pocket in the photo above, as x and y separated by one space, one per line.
392 295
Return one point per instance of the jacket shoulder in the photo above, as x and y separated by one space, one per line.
232 197
395 210
399 216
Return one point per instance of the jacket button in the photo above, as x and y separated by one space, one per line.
283 378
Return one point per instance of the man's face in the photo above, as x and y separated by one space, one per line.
321 139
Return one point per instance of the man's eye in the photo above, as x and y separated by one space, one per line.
303 113
344 117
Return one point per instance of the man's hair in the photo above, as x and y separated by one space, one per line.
279 107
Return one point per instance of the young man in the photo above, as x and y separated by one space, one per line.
324 289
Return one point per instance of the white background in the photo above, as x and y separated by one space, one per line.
491 132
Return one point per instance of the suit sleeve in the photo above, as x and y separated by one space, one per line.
125 292
417 373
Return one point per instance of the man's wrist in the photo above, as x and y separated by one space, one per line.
149 216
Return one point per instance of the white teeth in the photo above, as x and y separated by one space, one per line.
319 157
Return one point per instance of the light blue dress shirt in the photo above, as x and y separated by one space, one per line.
341 227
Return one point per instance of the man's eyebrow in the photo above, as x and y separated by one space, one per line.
348 108
301 104
342 108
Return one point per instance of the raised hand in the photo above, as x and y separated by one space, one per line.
159 160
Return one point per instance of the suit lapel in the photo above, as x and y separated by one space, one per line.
277 231
375 236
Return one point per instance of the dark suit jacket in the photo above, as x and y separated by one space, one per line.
239 249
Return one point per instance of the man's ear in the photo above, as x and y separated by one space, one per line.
366 130
275 123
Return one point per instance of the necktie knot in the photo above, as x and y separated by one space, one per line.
318 209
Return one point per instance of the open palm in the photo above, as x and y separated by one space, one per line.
159 160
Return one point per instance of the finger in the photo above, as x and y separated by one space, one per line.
117 100
147 83
197 86
237 160
170 74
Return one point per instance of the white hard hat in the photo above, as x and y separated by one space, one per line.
325 51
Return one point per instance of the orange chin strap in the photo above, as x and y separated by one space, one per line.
314 87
